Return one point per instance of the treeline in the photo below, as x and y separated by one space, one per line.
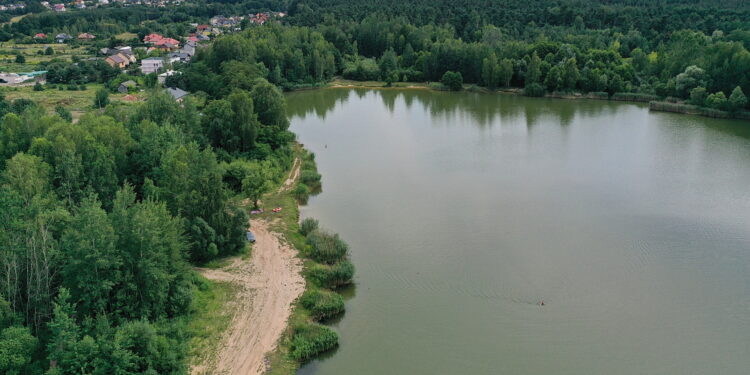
100 220
540 58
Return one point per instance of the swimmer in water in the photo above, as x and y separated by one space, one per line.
541 303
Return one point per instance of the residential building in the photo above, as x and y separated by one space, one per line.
62 37
151 65
177 94
126 86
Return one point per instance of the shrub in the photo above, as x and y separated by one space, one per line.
309 177
333 276
20 59
326 247
38 87
322 304
301 192
310 340
64 113
534 89
452 80
308 225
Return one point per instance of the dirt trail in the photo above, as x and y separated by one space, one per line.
292 176
270 281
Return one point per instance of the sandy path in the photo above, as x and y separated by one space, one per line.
269 283
292 176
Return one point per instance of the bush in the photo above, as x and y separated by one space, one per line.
308 225
452 80
322 304
534 89
49 51
20 59
301 192
326 247
309 340
333 276
64 113
38 87
309 177
72 87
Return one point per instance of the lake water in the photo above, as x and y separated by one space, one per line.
464 211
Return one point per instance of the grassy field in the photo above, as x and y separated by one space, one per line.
77 102
126 36
209 319
8 52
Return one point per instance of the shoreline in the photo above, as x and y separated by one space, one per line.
268 314
656 104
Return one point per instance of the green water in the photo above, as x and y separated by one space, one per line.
464 211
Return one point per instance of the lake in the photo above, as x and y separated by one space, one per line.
464 211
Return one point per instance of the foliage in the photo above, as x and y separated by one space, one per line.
308 225
452 80
322 304
327 248
309 340
333 276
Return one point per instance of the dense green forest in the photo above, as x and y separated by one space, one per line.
693 50
101 220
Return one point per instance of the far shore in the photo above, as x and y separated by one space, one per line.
655 103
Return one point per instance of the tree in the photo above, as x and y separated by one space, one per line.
691 78
570 74
17 346
49 51
20 59
489 71
452 80
737 100
698 96
533 71
505 72
257 182
270 105
717 101
101 99
92 262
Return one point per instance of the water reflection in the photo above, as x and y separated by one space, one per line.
482 110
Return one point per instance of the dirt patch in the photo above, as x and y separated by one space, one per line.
268 284
293 175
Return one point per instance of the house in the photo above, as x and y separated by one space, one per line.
62 37
40 36
177 94
189 49
167 44
86 36
176 57
59 7
152 38
151 65
126 86
118 60
202 28
162 78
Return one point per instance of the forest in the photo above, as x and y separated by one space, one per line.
693 51
102 220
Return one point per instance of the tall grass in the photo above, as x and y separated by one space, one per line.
326 247
322 304
309 340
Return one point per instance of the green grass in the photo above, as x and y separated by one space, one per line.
78 102
126 36
209 320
